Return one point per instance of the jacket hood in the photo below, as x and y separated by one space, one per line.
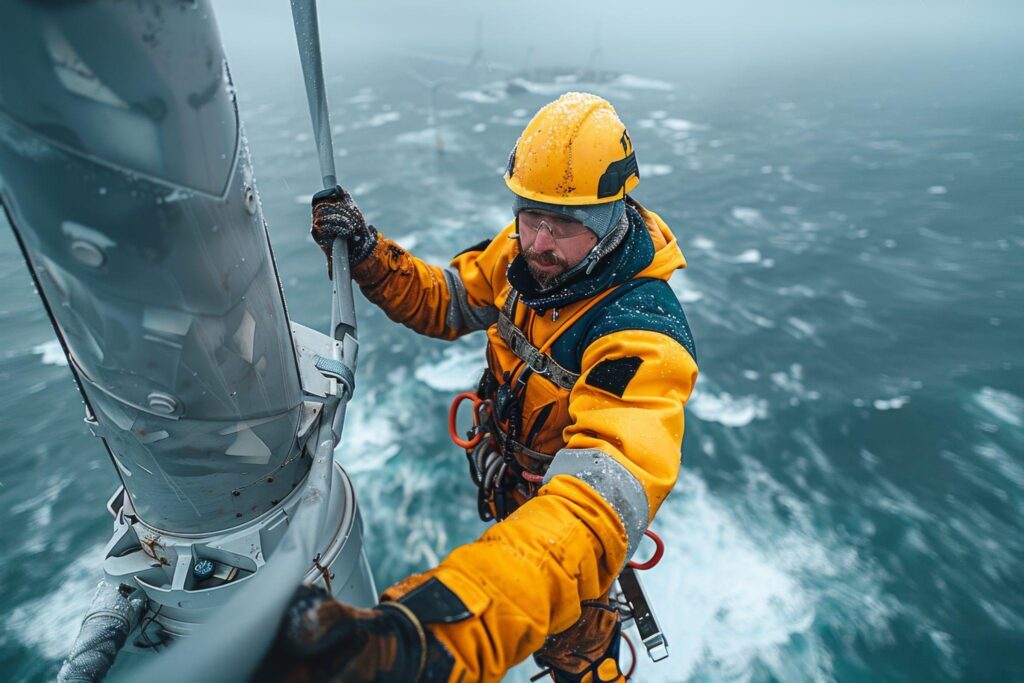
648 250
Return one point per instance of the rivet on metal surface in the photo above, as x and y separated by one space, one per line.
162 403
88 253
250 199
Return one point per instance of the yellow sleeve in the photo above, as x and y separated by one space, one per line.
525 577
641 429
439 302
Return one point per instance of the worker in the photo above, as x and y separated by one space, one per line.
590 362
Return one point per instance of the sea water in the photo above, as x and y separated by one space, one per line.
850 505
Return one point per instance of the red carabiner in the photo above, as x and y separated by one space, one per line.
454 411
659 550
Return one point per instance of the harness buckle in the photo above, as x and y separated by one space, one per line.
538 362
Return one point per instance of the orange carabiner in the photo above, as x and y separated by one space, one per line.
453 413
659 550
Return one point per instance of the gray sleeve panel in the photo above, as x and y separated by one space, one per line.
462 314
615 483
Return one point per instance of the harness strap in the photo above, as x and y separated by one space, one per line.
538 361
512 446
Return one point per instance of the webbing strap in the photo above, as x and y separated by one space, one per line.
540 362
514 446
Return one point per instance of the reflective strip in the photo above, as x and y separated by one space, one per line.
462 314
540 362
613 482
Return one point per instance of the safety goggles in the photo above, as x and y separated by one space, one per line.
531 223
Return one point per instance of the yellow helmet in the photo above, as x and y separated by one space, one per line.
574 151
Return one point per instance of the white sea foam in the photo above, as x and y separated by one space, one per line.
726 409
363 189
382 118
431 137
652 170
748 256
740 591
1002 405
52 353
747 215
937 189
482 96
703 243
804 328
371 439
792 382
641 83
894 403
364 96
678 124
50 623
458 370
408 241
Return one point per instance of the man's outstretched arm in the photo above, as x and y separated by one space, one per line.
438 302
525 577
491 603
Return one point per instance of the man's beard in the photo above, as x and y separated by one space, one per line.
548 258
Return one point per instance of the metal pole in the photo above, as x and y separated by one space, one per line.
307 34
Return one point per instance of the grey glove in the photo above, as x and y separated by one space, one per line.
336 215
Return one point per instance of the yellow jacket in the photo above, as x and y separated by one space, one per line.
616 434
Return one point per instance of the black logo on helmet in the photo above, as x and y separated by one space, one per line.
613 180
511 161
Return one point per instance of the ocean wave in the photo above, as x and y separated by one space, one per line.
741 593
726 409
747 215
50 623
653 170
52 353
1002 405
641 83
430 137
458 370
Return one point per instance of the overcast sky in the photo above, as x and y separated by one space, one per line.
656 36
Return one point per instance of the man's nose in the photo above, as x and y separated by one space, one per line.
544 241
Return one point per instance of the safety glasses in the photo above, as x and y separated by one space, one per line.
531 223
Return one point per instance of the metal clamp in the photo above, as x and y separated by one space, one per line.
643 616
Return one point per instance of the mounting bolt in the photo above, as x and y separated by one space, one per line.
202 570
88 253
162 403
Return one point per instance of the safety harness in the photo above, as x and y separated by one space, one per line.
541 363
496 471
491 450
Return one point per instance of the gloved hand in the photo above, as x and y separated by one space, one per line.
335 215
322 639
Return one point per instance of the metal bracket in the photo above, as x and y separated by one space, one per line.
310 345
643 616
